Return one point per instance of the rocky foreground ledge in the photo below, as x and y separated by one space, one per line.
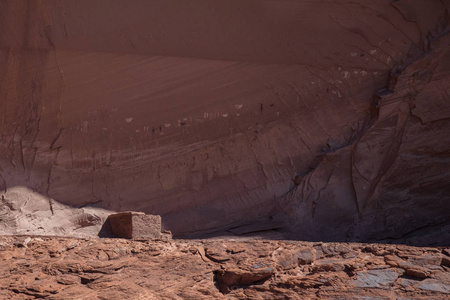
68 268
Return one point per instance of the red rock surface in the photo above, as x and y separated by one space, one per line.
67 268
227 117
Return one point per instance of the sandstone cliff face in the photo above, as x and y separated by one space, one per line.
393 181
231 117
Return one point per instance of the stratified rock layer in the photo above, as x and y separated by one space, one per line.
234 116
392 182
67 268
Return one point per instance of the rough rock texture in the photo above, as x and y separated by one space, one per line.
237 117
135 225
67 268
392 183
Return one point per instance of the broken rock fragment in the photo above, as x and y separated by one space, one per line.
232 278
383 278
288 259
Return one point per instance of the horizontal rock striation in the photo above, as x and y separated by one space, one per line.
233 117
391 183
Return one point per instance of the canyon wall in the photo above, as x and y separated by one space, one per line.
310 120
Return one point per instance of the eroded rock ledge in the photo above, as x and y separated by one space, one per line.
66 268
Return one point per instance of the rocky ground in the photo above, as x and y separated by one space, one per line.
69 268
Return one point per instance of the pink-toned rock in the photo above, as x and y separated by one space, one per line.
232 270
288 259
237 117
233 278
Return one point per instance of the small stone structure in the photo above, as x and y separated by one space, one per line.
135 225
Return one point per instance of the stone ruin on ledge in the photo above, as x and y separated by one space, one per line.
135 225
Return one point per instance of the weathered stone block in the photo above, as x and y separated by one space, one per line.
135 225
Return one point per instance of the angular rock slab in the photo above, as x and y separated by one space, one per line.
135 225
383 278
